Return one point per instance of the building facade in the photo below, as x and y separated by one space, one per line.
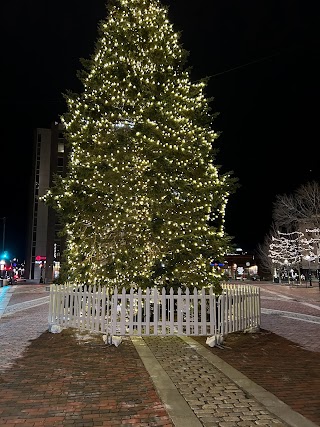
44 244
241 266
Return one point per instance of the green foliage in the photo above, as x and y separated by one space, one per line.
143 203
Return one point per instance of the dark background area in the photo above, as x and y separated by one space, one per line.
263 59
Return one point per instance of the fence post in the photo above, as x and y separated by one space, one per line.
51 314
187 311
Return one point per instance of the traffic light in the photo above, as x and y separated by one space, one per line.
5 255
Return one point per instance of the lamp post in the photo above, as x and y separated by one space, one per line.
286 263
3 232
308 258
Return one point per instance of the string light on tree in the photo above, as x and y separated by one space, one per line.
143 203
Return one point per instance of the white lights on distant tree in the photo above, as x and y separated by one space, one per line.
291 248
286 249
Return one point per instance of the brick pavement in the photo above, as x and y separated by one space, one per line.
73 379
70 379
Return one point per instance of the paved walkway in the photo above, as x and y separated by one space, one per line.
73 379
293 313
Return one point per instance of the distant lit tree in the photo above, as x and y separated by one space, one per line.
143 203
286 250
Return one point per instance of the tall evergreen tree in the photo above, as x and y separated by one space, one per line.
143 203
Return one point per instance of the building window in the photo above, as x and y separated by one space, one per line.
60 147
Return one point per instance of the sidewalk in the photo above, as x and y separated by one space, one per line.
73 379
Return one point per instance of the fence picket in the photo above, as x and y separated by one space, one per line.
212 312
131 314
222 314
114 311
163 311
59 308
187 312
139 319
88 307
171 312
195 312
123 304
203 312
179 312
148 301
155 311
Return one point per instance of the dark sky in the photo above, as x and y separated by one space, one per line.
263 57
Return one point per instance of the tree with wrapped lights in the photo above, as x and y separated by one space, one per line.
143 203
285 251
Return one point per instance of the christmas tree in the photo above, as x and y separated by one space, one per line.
143 203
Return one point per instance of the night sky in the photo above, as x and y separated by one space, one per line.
263 61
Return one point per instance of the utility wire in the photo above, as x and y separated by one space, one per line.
245 65
265 58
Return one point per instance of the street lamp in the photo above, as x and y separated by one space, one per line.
308 258
286 263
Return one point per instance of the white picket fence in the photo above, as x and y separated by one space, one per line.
153 312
